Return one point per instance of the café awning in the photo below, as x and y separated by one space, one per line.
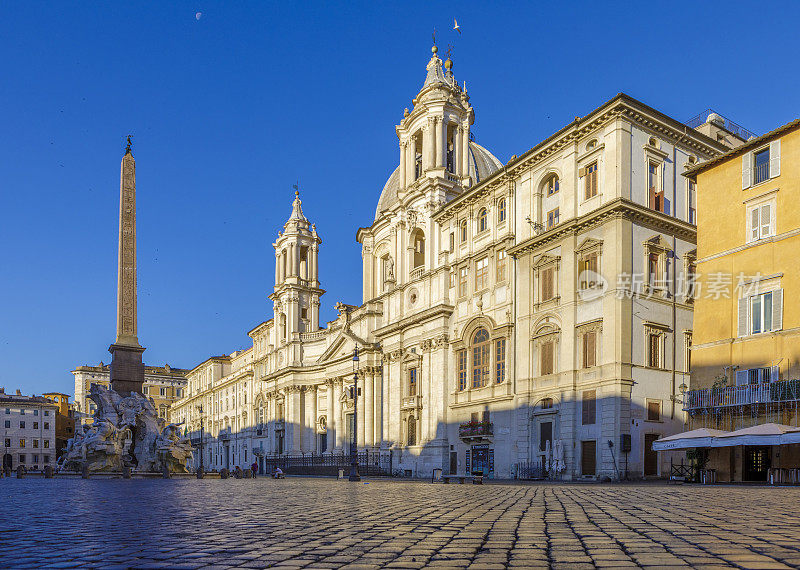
762 434
701 437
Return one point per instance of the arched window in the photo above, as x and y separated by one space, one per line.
501 210
481 349
482 223
419 249
551 185
546 403
411 431
463 231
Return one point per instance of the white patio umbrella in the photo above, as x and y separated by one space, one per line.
547 455
702 437
559 462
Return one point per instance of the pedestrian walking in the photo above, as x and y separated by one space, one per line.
254 469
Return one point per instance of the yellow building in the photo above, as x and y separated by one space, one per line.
745 357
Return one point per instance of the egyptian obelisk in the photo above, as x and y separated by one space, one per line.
127 369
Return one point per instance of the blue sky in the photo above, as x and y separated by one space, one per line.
229 110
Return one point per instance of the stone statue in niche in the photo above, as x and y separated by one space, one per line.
389 269
126 432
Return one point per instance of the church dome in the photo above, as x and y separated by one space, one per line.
482 164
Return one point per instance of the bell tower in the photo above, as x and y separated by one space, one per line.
297 291
434 136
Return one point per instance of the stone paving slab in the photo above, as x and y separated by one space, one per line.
324 523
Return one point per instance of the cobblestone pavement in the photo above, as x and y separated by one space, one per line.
324 523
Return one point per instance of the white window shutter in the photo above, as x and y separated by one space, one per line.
775 374
777 309
741 377
766 220
747 170
753 229
743 302
775 158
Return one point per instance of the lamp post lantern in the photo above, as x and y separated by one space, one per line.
200 470
354 476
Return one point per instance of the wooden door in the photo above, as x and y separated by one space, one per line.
650 455
589 457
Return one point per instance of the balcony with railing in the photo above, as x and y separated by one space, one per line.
470 430
747 394
411 402
417 272
727 124
761 172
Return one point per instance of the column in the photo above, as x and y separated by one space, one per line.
314 325
403 163
439 152
310 423
360 438
337 415
282 259
465 152
290 260
277 267
428 145
315 256
369 419
329 413
296 260
411 160
297 419
458 149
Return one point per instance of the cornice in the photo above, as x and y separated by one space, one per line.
437 311
617 208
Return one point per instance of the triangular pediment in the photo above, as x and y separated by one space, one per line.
589 244
342 345
546 259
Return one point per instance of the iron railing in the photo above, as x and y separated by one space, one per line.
728 125
531 470
761 173
768 392
475 429
371 463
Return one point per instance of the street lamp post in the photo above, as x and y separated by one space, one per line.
354 476
200 471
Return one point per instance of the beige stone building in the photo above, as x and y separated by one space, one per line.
515 318
29 431
163 384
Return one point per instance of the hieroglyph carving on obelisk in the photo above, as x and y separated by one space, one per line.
126 283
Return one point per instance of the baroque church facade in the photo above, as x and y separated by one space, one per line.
517 319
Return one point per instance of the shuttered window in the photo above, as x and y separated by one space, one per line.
588 271
589 408
500 360
548 282
589 349
761 222
547 357
462 369
482 274
590 181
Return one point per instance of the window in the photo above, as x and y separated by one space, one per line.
762 221
8 442
589 407
419 249
547 357
463 228
462 369
22 458
761 313
587 271
654 344
652 269
8 410
501 265
21 425
412 381
46 459
761 166
411 438
8 424
547 278
22 443
500 360
654 186
552 218
551 185
482 222
589 349
463 275
547 404
35 412
653 411
36 444
35 425
590 181
480 358
22 411
453 279
482 274
691 201
501 211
